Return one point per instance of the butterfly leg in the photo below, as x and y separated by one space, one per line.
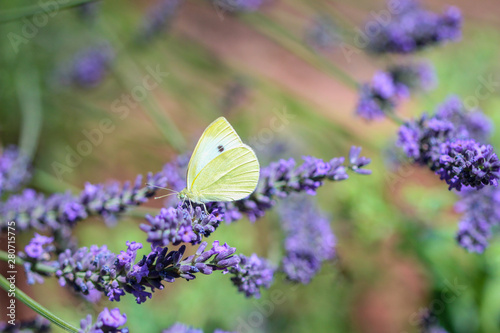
206 211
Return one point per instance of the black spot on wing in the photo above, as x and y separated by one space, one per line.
220 148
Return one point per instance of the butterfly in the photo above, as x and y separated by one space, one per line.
222 167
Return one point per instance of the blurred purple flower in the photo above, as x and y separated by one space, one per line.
309 240
14 169
158 18
415 28
39 247
481 213
90 65
378 97
251 274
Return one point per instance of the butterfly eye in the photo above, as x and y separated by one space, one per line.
220 148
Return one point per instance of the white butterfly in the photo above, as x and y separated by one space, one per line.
222 167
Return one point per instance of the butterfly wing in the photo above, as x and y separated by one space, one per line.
218 138
232 175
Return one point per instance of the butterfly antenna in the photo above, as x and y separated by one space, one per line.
163 196
163 188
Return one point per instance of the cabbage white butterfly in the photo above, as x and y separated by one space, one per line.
222 167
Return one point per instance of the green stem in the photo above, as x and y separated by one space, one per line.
37 307
39 267
19 13
29 96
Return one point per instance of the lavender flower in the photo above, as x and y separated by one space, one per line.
414 28
378 97
90 65
158 18
251 274
117 275
469 124
38 325
278 180
309 239
467 163
107 322
442 143
14 170
481 212
33 210
40 247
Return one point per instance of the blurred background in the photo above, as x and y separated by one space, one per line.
149 76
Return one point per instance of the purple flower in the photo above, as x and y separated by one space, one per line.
14 170
158 18
107 322
39 247
97 268
481 213
469 124
90 65
415 28
378 97
467 163
309 239
251 274
33 210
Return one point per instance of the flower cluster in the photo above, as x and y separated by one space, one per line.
14 170
33 210
90 65
278 180
309 239
251 274
158 18
116 275
107 322
413 28
444 144
481 212
387 89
